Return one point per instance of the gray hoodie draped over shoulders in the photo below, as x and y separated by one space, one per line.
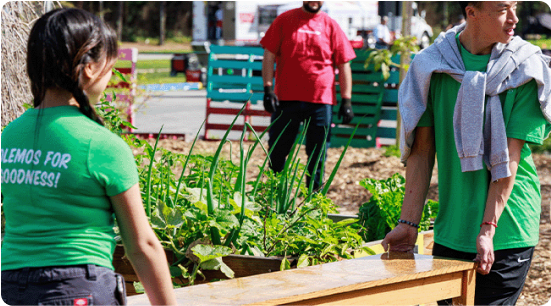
478 140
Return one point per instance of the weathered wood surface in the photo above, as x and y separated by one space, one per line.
375 280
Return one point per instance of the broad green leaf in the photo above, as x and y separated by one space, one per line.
139 287
224 220
303 261
306 239
285 264
174 217
211 264
194 215
346 222
196 194
328 249
202 206
386 71
157 221
217 264
175 271
207 252
256 251
343 247
227 270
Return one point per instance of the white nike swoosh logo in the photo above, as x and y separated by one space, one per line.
522 260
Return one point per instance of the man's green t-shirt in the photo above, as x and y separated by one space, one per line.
462 195
57 178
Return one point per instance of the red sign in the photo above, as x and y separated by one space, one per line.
357 44
80 302
246 17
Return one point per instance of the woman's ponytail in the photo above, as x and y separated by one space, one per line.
84 105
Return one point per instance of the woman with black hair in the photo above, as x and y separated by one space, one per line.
65 176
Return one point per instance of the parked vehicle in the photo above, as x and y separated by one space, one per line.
245 22
419 27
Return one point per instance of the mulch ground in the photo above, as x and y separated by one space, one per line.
370 163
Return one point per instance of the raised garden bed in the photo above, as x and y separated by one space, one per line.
241 265
249 265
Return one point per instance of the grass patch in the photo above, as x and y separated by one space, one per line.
160 78
542 43
168 51
147 64
179 39
156 77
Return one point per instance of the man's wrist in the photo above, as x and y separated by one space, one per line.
346 101
488 231
412 224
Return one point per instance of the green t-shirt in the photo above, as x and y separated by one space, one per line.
462 195
56 182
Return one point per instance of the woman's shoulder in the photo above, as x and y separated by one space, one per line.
107 138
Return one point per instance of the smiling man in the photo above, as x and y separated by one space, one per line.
308 45
475 99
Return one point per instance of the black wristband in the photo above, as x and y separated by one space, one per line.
408 223
267 89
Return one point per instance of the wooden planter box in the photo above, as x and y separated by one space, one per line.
242 265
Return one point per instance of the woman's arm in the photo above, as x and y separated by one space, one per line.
142 247
498 195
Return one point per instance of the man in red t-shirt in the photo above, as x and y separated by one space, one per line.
307 45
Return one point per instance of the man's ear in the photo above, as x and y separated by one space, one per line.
471 11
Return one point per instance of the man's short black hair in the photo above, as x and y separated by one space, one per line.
464 4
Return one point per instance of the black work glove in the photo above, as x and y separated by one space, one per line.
271 103
345 111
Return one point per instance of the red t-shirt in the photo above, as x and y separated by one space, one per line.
307 49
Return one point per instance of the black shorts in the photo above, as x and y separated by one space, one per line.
63 285
504 283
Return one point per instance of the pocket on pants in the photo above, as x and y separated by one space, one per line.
120 291
74 300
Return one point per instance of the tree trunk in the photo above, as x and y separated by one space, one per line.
446 19
100 4
407 11
119 19
162 26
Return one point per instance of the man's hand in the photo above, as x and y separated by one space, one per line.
345 111
485 249
270 100
401 239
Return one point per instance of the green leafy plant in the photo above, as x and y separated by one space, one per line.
382 59
210 209
545 147
381 213
392 150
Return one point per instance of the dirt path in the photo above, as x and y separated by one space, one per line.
370 163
